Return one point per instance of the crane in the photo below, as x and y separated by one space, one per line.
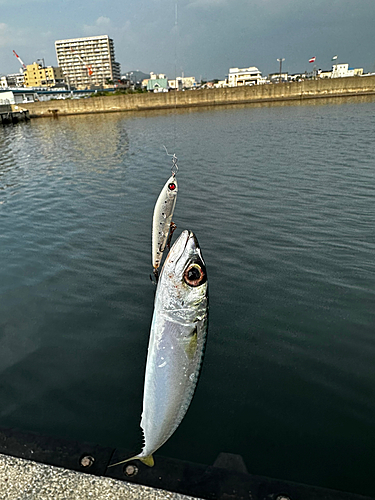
20 60
87 66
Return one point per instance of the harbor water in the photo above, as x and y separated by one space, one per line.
281 199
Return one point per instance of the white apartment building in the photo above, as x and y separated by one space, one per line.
238 77
343 70
88 61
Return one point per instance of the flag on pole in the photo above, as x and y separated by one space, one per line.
334 58
312 59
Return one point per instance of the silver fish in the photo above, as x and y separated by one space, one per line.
162 219
176 345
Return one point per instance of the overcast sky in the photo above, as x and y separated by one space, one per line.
210 36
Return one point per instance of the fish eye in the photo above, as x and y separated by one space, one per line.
172 186
194 275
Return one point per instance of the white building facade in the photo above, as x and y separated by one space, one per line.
238 77
12 81
182 82
343 70
88 61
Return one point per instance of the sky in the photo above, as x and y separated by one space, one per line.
204 39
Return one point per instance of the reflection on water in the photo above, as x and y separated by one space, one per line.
65 144
96 142
281 200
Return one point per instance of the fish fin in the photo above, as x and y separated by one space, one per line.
123 461
191 347
149 461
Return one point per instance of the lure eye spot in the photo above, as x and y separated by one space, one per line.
172 186
194 275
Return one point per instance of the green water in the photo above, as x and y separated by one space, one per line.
282 202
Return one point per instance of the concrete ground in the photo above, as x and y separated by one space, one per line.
26 480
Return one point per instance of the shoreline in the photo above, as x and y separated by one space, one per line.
261 94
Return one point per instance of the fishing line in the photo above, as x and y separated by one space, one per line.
176 86
175 73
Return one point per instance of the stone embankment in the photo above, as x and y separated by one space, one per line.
273 93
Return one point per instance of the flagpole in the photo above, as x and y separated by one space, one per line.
281 62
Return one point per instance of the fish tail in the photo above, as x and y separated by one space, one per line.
149 461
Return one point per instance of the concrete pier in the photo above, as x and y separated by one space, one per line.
38 467
273 93
9 115
22 479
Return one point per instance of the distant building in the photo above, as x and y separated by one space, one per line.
296 77
88 61
343 70
208 85
6 97
276 77
325 73
17 96
12 81
221 84
239 77
182 82
157 82
36 75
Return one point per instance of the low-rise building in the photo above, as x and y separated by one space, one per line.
156 82
325 73
17 96
37 75
343 70
296 77
278 77
238 77
12 81
221 84
182 82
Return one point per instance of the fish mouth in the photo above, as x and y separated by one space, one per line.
193 240
184 248
191 243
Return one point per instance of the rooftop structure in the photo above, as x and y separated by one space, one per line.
88 61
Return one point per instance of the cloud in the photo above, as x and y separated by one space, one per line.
102 23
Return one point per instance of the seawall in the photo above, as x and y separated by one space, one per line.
309 89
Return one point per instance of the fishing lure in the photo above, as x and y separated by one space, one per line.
162 225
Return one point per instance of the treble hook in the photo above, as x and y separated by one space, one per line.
174 168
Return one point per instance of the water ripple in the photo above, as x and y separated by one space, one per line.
281 200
